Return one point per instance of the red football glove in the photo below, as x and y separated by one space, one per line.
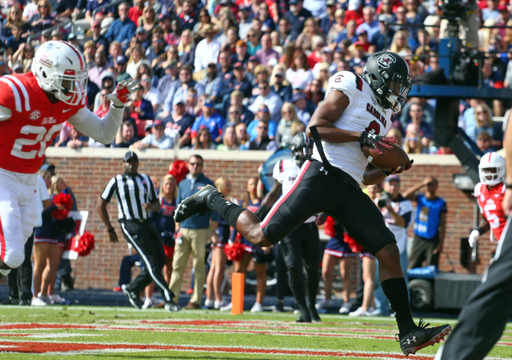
122 93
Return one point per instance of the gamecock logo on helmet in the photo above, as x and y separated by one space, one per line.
386 60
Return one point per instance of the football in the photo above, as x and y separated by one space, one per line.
389 159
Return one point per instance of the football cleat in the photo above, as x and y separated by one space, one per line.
171 306
132 297
422 337
314 314
195 204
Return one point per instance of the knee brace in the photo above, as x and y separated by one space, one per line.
14 258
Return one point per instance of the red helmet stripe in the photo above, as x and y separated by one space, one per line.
77 54
490 154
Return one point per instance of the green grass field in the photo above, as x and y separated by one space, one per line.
124 333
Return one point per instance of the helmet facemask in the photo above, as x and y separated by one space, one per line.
492 169
301 148
70 89
492 176
395 92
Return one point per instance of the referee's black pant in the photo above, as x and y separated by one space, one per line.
483 318
143 236
302 246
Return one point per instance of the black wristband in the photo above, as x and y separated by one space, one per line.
508 185
480 230
111 230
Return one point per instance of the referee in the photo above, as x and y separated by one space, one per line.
136 197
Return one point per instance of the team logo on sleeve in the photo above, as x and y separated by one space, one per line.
34 115
386 60
338 78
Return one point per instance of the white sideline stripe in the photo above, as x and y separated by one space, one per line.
23 90
148 265
15 92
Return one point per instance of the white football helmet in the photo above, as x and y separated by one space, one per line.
495 165
60 69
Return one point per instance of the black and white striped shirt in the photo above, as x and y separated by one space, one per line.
131 192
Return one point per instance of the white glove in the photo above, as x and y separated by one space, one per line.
122 92
473 237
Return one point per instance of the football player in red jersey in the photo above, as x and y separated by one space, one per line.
33 107
489 193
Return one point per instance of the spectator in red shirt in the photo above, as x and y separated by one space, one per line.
355 14
105 104
136 11
395 4
233 8
315 57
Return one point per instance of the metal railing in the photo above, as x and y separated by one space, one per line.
110 4
37 35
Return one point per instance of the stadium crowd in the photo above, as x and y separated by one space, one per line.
248 74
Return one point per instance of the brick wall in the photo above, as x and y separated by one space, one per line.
88 171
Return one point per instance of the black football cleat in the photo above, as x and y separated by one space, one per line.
422 337
314 314
132 297
195 204
171 306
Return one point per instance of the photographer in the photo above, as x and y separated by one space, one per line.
397 212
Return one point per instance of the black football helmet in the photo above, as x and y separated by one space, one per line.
388 75
302 148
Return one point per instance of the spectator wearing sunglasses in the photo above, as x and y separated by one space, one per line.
416 113
262 141
262 115
210 120
270 99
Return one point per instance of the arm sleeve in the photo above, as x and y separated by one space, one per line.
47 214
346 82
5 113
167 105
406 210
197 59
147 139
102 130
168 143
109 190
42 189
277 173
152 191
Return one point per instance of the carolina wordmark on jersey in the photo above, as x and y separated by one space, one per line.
28 122
362 114
490 204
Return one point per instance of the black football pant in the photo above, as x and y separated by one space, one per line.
483 318
302 247
317 190
144 238
282 288
20 279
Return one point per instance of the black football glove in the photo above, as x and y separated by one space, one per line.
374 141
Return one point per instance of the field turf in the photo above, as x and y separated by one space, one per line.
78 332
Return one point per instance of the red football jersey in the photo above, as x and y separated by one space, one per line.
490 204
33 124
